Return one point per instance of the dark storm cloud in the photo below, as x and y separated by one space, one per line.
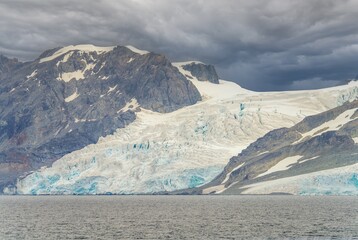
261 44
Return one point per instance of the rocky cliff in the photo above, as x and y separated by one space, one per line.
202 72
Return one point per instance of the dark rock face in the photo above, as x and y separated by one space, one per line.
7 66
51 108
153 81
271 141
314 121
330 149
202 72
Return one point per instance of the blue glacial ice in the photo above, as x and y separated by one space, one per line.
337 184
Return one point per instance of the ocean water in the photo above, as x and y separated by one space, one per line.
178 217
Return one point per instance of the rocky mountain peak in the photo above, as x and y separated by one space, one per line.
7 64
70 96
202 71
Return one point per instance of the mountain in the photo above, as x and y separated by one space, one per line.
71 96
317 156
161 150
7 65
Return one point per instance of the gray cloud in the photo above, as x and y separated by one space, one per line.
261 44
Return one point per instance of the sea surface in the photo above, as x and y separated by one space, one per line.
178 217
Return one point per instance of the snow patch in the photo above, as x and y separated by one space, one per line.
281 165
102 65
355 140
65 58
136 50
221 188
130 60
85 48
68 76
112 89
228 175
181 64
215 189
77 75
72 96
33 74
262 153
225 89
131 105
84 120
308 159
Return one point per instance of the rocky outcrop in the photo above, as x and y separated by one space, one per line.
7 66
202 72
64 101
152 80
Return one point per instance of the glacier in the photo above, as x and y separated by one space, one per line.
337 181
186 148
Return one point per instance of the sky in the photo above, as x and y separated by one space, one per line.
263 45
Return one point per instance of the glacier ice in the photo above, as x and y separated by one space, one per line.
182 149
336 184
350 94
337 181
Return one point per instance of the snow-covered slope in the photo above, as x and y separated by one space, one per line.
337 181
317 156
84 48
182 149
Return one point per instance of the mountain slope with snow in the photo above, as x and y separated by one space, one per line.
185 148
318 156
70 97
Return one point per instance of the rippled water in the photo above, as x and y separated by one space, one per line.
177 217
